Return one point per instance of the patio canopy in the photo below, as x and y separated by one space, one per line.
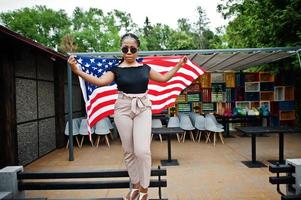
223 59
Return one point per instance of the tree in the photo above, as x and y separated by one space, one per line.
263 23
39 23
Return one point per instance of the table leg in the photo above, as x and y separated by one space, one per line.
253 163
281 148
169 162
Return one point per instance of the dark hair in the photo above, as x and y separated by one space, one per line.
130 35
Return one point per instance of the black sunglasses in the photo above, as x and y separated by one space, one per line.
126 49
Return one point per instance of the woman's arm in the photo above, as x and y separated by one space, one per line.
101 81
156 76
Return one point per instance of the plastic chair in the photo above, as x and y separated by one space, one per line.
174 122
156 123
185 124
102 128
110 126
200 125
75 132
212 127
215 121
83 131
192 116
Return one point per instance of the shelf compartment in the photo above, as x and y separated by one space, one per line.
182 98
184 107
217 96
230 79
217 77
255 104
205 80
287 115
239 79
252 96
252 86
289 93
267 103
208 107
206 94
218 87
239 93
266 77
230 94
194 87
267 86
286 105
192 97
279 93
266 96
251 77
243 104
222 108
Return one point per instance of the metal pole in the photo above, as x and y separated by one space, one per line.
69 74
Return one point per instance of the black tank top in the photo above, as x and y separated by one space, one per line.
132 80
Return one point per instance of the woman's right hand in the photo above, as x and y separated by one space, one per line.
73 64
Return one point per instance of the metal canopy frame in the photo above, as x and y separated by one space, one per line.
209 59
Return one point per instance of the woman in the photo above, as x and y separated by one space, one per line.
132 114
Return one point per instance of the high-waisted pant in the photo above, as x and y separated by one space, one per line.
133 120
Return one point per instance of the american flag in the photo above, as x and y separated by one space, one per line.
100 100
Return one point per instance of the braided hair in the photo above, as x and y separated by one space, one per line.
130 35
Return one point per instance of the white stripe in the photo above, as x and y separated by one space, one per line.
100 90
163 96
183 70
101 100
100 111
161 89
157 107
82 86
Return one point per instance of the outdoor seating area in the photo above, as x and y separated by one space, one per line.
204 171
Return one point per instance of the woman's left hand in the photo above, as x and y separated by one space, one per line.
182 61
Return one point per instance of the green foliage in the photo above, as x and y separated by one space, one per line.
39 23
93 30
263 23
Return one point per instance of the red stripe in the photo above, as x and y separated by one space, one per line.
100 117
101 94
161 101
101 105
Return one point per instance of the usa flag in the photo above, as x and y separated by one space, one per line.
100 100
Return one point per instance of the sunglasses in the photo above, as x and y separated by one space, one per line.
126 49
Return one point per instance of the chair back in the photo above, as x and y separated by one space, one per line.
212 117
102 128
109 123
210 125
173 122
75 127
200 122
83 130
156 123
192 116
185 123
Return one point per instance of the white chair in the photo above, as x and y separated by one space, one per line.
215 121
102 128
75 132
83 131
186 125
212 127
110 126
192 116
156 123
174 122
200 125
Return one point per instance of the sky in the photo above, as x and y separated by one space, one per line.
158 11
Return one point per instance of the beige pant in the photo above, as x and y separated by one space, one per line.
133 120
